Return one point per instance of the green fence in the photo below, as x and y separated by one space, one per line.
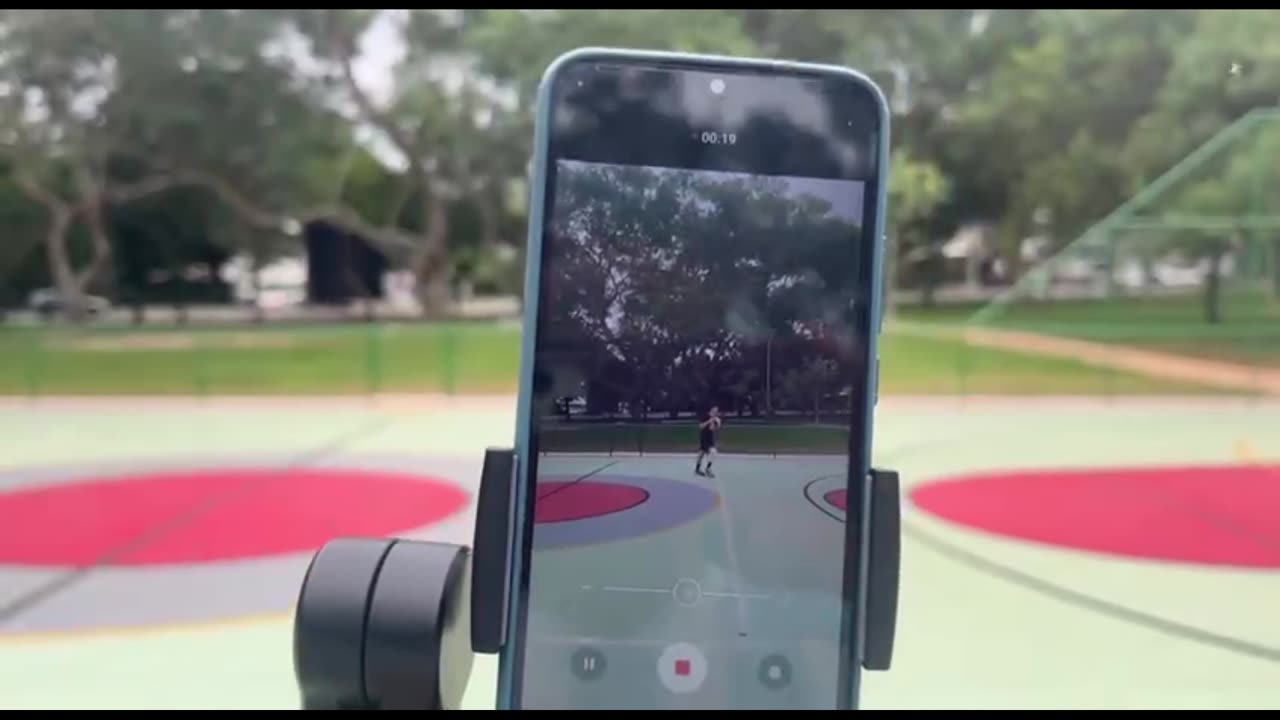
356 358
1081 348
750 436
1180 283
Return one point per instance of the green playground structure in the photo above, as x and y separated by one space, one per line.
1188 267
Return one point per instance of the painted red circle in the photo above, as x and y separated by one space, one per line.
839 499
1207 515
570 500
211 515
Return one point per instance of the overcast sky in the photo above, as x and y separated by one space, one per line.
845 196
380 49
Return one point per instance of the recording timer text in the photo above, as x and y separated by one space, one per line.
712 137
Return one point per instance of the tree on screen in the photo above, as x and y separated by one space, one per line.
685 278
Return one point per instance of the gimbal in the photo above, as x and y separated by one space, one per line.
388 624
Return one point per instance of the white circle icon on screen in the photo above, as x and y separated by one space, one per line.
687 592
682 668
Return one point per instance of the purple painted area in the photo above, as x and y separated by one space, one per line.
671 503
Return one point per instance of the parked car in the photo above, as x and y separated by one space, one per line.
48 302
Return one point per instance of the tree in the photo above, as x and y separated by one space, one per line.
1224 68
55 73
916 190
678 277
260 108
21 225
99 105
429 124
1047 132
806 386
1223 195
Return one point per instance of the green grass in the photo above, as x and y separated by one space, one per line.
744 436
1240 308
455 358
912 365
322 360
1249 331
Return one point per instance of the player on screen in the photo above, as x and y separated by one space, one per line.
707 430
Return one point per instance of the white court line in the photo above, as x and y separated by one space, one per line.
731 550
744 596
658 591
615 588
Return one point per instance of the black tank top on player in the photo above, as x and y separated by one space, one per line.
707 437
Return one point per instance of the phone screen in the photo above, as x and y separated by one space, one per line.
702 372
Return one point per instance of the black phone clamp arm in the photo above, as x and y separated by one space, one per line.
391 624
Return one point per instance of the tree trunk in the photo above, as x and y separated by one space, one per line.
363 293
259 315
933 269
61 215
91 206
1213 287
432 266
70 293
73 285
1275 269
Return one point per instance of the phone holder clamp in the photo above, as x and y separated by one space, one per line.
392 624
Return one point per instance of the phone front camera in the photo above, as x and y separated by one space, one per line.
717 86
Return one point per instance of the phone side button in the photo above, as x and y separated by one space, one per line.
490 549
875 384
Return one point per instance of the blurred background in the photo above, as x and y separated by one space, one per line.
274 228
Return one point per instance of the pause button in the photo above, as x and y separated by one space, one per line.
587 663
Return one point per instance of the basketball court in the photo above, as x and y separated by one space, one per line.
1057 553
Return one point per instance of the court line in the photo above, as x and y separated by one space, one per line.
576 480
743 596
822 508
127 632
1243 451
668 591
1082 601
46 590
731 550
1222 521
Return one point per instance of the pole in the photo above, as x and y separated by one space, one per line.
373 358
768 376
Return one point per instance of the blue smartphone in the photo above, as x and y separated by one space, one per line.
698 377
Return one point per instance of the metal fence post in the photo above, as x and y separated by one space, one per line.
373 358
200 351
32 371
449 359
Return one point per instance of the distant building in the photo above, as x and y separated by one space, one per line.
280 283
342 267
334 268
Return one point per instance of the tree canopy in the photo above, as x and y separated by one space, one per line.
212 132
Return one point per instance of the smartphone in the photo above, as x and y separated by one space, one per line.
698 378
